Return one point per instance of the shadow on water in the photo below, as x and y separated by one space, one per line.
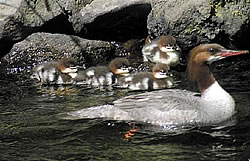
31 129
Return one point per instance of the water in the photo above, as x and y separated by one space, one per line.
33 128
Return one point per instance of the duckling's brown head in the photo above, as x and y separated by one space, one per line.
160 71
168 43
119 66
68 66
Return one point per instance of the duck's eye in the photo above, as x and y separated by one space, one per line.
162 71
124 67
70 64
168 46
213 50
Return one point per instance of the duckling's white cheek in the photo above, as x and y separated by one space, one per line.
126 70
160 76
69 70
90 73
166 49
125 74
121 71
73 69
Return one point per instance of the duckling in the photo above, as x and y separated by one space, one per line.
163 49
157 79
104 75
61 72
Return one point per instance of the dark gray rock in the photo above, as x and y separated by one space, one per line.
41 47
92 19
111 19
20 18
194 22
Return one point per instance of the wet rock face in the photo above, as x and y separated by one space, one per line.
233 18
20 18
192 22
40 47
92 19
179 18
195 22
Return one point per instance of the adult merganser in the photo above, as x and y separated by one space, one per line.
157 79
177 107
162 50
61 72
103 75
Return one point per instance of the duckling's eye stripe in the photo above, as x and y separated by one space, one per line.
124 67
162 71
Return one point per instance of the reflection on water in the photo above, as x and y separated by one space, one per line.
32 128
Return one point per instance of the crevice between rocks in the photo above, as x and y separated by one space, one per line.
59 24
128 23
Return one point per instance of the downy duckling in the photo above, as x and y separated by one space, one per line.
163 49
157 79
61 72
104 75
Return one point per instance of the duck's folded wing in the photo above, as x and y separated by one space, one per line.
161 107
162 100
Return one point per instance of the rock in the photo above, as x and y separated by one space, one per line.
93 19
20 18
42 47
111 19
194 22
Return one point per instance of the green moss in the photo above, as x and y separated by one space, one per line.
194 27
222 8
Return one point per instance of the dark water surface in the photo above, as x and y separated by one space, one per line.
32 128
